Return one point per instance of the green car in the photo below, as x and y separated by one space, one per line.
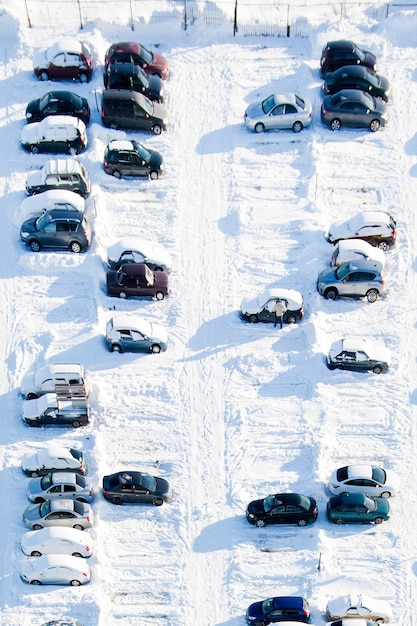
357 508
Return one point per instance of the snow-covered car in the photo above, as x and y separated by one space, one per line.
130 333
57 540
359 606
66 59
45 379
51 199
69 513
279 112
356 250
56 134
130 250
69 406
54 458
262 308
58 485
67 174
362 478
348 622
376 227
358 355
66 621
55 569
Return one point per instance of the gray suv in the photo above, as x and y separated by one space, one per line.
356 279
58 230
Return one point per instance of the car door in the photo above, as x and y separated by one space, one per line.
347 113
290 116
267 312
138 165
56 68
123 164
276 117
48 236
362 361
127 493
72 65
68 491
141 119
277 515
138 342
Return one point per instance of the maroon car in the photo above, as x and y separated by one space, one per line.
152 62
67 59
136 279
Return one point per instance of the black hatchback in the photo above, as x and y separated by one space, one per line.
282 508
336 54
133 77
58 103
56 229
131 158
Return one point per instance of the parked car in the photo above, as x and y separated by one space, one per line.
132 250
376 227
262 308
356 250
55 569
67 621
152 62
45 379
56 230
279 112
128 487
336 54
131 158
354 279
128 333
133 77
69 513
353 108
57 540
58 103
357 77
59 174
363 606
282 508
363 478
66 59
351 622
54 458
357 508
68 406
52 199
278 609
59 485
358 355
121 108
137 280
55 133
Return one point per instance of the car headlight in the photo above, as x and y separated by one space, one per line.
250 515
24 234
28 115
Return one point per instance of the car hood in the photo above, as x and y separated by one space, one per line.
31 409
29 225
339 230
159 62
29 461
370 60
34 179
256 507
30 133
327 276
156 160
39 59
32 512
255 110
162 488
156 86
158 333
159 111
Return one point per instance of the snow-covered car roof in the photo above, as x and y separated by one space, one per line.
67 44
151 251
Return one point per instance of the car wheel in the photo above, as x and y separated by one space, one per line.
377 369
159 295
372 295
83 77
34 474
115 348
39 500
36 553
34 149
78 527
155 348
114 126
157 130
291 319
116 174
383 245
339 521
158 269
154 175
37 526
76 423
157 502
302 522
380 621
32 396
253 319
378 520
336 124
72 151
34 245
122 295
259 127
77 554
35 582
385 495
260 623
75 583
330 294
260 523
330 366
44 75
375 125
117 500
33 423
297 127
75 247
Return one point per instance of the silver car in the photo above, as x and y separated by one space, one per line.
279 111
55 569
355 279
58 485
58 513
57 540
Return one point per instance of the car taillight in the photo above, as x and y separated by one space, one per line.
103 113
335 486
87 518
325 112
315 511
302 311
85 574
381 282
106 163
82 468
87 548
104 491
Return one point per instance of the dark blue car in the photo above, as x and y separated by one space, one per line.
279 609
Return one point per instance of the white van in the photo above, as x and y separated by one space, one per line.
55 133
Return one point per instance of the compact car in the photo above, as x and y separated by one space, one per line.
356 250
60 485
152 62
129 333
57 229
353 108
60 512
358 355
278 609
129 487
354 279
133 250
122 108
54 458
131 158
363 478
357 508
45 379
279 112
282 508
376 227
354 605
66 59
55 134
262 308
357 77
58 103
342 52
55 569
67 174
57 540
51 199
133 77
137 280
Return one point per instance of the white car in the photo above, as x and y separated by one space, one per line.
66 621
359 606
55 569
45 379
53 459
55 133
51 199
57 540
69 513
262 308
279 111
130 250
376 227
356 249
370 479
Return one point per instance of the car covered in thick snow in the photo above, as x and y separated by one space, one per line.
132 250
262 308
57 540
376 227
55 569
358 355
45 379
53 458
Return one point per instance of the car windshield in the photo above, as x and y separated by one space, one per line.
46 481
267 606
44 508
148 482
371 78
144 78
268 104
370 504
342 271
269 503
76 454
379 475
147 106
147 55
42 221
368 100
142 151
360 53
300 102
44 101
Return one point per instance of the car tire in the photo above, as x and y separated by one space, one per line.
72 151
153 175
75 583
259 128
330 366
159 295
375 125
35 582
157 502
115 348
39 500
116 174
372 295
117 500
83 77
43 75
34 149
291 319
76 423
157 129
297 127
377 369
253 319
34 474
31 396
339 522
260 523
330 294
383 245
122 295
259 623
36 553
37 527
78 527
34 245
77 554
302 522
155 348
385 495
336 124
378 520
113 126
75 247
33 423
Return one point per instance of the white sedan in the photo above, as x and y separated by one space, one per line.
55 569
359 606
132 250
53 458
57 540
370 479
279 111
356 249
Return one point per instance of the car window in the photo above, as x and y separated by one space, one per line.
290 108
72 59
278 110
59 59
136 335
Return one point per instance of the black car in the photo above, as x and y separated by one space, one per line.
336 54
282 508
131 158
122 108
56 229
357 77
136 488
58 103
353 108
278 609
133 77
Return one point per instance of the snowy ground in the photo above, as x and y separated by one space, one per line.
231 411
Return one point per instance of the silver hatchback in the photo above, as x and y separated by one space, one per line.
355 279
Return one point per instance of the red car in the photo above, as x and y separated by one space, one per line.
153 63
67 59
136 279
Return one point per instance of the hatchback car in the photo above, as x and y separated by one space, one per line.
262 308
121 108
362 478
131 158
70 513
56 230
282 508
336 54
354 279
58 485
55 569
58 103
59 174
152 62
278 609
55 134
279 112
53 459
129 333
356 250
52 199
357 508
353 108
363 606
358 355
351 622
57 540
376 227
357 77
45 379
67 59
136 488
137 280
132 250
133 77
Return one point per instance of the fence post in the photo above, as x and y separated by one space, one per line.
132 26
81 16
185 15
288 20
235 29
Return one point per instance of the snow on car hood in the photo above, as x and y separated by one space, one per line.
255 110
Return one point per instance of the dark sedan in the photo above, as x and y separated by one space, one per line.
282 508
357 508
136 279
358 355
278 609
351 107
357 77
58 103
136 488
